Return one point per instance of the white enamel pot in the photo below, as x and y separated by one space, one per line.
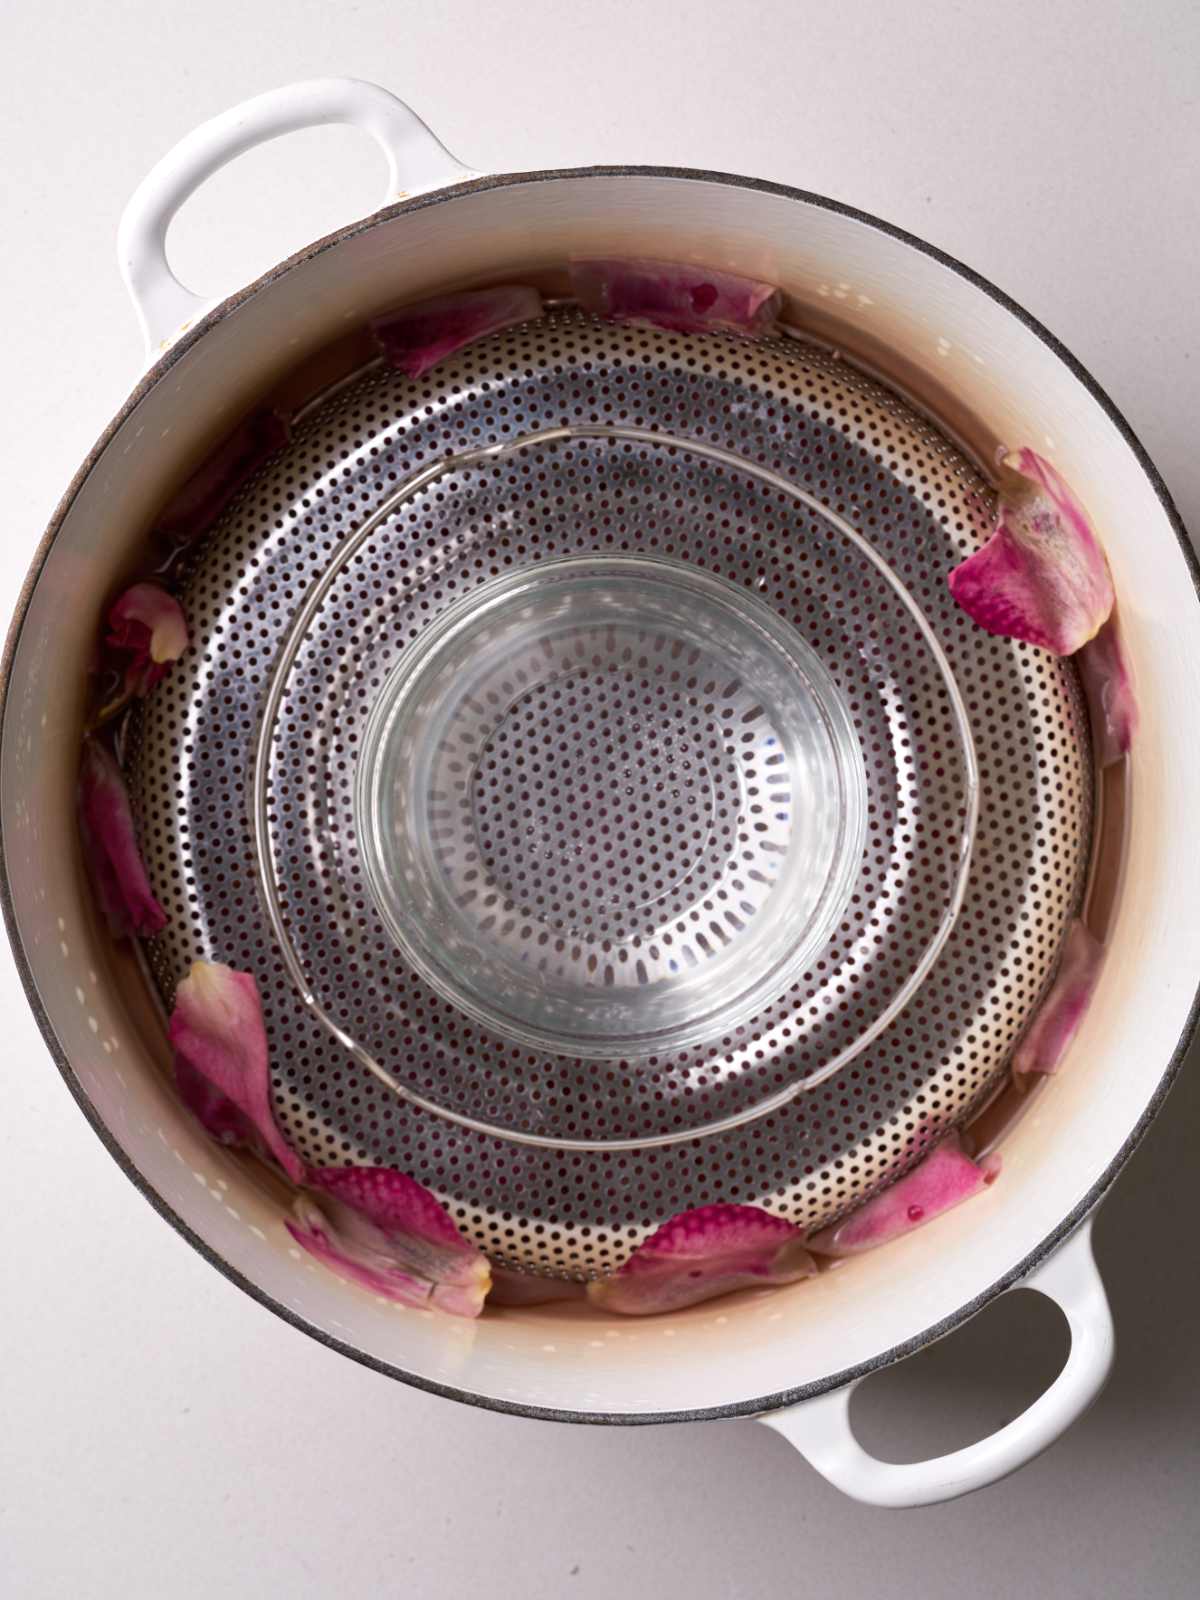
791 1356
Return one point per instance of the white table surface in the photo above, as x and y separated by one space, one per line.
165 1436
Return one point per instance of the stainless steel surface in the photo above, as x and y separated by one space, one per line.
853 449
727 881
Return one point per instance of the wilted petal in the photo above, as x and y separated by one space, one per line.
1108 685
221 1065
110 847
418 337
1042 576
675 295
212 486
945 1178
701 1254
1057 1019
146 632
382 1229
530 1289
148 622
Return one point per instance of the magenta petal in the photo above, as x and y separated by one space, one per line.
675 295
311 1229
701 1254
1057 1019
110 847
1108 686
945 1178
418 337
1042 576
195 507
146 632
384 1230
148 620
221 1064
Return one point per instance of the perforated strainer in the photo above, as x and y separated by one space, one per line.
586 754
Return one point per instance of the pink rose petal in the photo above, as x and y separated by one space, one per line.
675 295
110 847
383 1230
1042 576
201 500
1057 1019
146 632
416 338
701 1254
945 1178
221 1065
1108 686
530 1289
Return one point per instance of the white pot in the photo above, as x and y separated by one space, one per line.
791 1355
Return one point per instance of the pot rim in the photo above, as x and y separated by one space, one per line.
153 374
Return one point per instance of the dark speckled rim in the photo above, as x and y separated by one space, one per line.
742 1408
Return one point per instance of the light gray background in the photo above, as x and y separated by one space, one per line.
163 1435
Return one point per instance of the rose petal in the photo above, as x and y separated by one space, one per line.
221 1064
1108 687
382 1229
418 337
1042 576
701 1254
945 1178
146 632
148 621
530 1289
110 847
675 295
1057 1019
195 507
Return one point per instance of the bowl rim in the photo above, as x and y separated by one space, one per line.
155 373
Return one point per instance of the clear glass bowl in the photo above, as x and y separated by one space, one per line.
610 806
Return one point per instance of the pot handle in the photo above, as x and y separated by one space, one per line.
416 161
820 1429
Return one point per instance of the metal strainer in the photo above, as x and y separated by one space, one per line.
585 753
